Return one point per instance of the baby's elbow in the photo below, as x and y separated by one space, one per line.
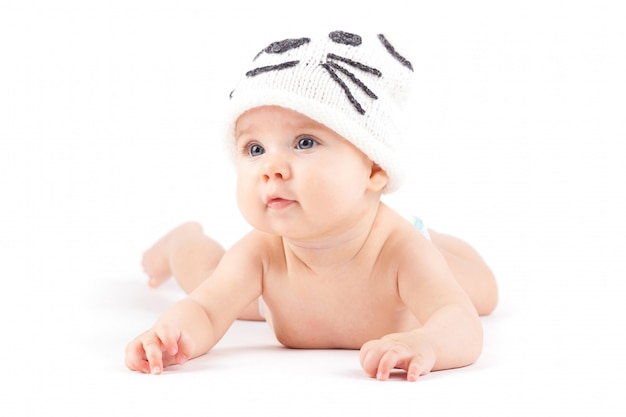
466 350
469 345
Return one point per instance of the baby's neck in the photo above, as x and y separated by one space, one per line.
337 251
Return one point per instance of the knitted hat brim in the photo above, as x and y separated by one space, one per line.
381 154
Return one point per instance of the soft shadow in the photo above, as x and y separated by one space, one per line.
397 375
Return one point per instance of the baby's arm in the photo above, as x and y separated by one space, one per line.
451 334
191 327
182 332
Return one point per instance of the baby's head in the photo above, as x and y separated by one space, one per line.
356 86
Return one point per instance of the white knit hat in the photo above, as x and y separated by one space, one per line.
356 86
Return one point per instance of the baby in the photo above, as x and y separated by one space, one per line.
315 127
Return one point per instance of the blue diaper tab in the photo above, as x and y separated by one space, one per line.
419 225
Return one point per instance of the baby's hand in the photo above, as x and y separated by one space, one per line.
161 346
400 351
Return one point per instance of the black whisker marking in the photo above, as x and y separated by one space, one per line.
354 79
355 64
261 70
345 88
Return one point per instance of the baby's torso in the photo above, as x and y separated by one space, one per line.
337 314
337 308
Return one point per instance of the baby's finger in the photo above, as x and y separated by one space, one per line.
388 362
416 369
169 338
135 358
185 347
154 356
369 357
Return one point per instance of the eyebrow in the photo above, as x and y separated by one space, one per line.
308 125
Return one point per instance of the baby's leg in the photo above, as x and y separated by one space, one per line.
191 257
185 253
470 271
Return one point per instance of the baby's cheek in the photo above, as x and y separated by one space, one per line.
245 199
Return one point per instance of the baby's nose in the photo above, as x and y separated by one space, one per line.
276 167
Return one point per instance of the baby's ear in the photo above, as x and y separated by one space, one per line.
378 178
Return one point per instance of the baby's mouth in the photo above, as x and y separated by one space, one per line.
278 203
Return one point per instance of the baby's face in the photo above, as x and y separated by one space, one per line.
296 177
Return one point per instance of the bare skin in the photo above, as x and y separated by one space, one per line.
335 266
190 256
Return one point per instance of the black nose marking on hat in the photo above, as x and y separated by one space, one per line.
345 38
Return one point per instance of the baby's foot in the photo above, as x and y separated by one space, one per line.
156 260
156 263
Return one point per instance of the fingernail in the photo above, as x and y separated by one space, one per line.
156 370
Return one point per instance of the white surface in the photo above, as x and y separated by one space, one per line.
109 125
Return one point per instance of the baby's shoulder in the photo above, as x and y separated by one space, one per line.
402 240
256 244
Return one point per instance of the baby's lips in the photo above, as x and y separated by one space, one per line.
278 203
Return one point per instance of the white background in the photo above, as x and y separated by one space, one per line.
110 129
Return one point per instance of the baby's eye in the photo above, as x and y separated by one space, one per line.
306 143
255 149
